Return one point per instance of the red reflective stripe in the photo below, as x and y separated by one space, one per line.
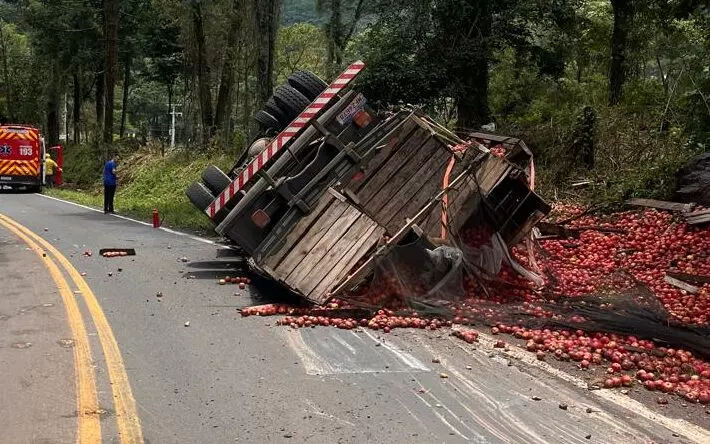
301 121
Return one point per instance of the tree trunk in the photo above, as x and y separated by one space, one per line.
53 110
203 74
111 17
472 102
66 117
267 15
247 99
226 83
170 97
335 36
126 86
9 107
470 68
618 69
76 114
100 99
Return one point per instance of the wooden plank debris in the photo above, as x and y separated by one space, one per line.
581 184
698 217
661 205
555 230
692 278
682 285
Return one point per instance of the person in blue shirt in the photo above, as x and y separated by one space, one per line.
110 182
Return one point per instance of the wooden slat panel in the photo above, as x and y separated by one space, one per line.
682 285
422 196
491 172
432 224
464 203
335 230
698 213
694 278
699 220
412 196
459 196
464 199
495 138
311 238
429 156
394 142
393 164
660 204
295 235
348 258
335 255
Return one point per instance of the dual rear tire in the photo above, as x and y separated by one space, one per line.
289 100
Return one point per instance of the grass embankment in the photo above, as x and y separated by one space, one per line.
147 180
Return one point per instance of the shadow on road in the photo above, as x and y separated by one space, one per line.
234 264
94 216
261 291
267 291
4 190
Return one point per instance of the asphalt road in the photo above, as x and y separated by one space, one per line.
37 398
226 379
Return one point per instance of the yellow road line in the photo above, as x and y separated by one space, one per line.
89 427
129 426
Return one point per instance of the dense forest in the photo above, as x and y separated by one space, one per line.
616 92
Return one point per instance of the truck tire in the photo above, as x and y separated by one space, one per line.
272 108
307 83
215 180
199 195
290 101
267 121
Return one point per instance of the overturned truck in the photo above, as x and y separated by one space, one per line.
332 186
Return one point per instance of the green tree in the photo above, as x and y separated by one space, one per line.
418 51
266 19
343 19
300 46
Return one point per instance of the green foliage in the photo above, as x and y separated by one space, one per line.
83 164
531 66
301 11
300 46
21 78
147 181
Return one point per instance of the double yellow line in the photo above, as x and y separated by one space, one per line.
88 413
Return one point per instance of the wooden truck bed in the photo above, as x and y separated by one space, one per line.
323 247
345 225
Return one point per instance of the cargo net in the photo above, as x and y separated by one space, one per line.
433 276
472 279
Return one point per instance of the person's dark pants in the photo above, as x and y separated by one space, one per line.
109 192
50 180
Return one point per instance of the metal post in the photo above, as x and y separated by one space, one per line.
173 113
172 129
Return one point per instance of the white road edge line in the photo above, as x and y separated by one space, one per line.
680 426
167 230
